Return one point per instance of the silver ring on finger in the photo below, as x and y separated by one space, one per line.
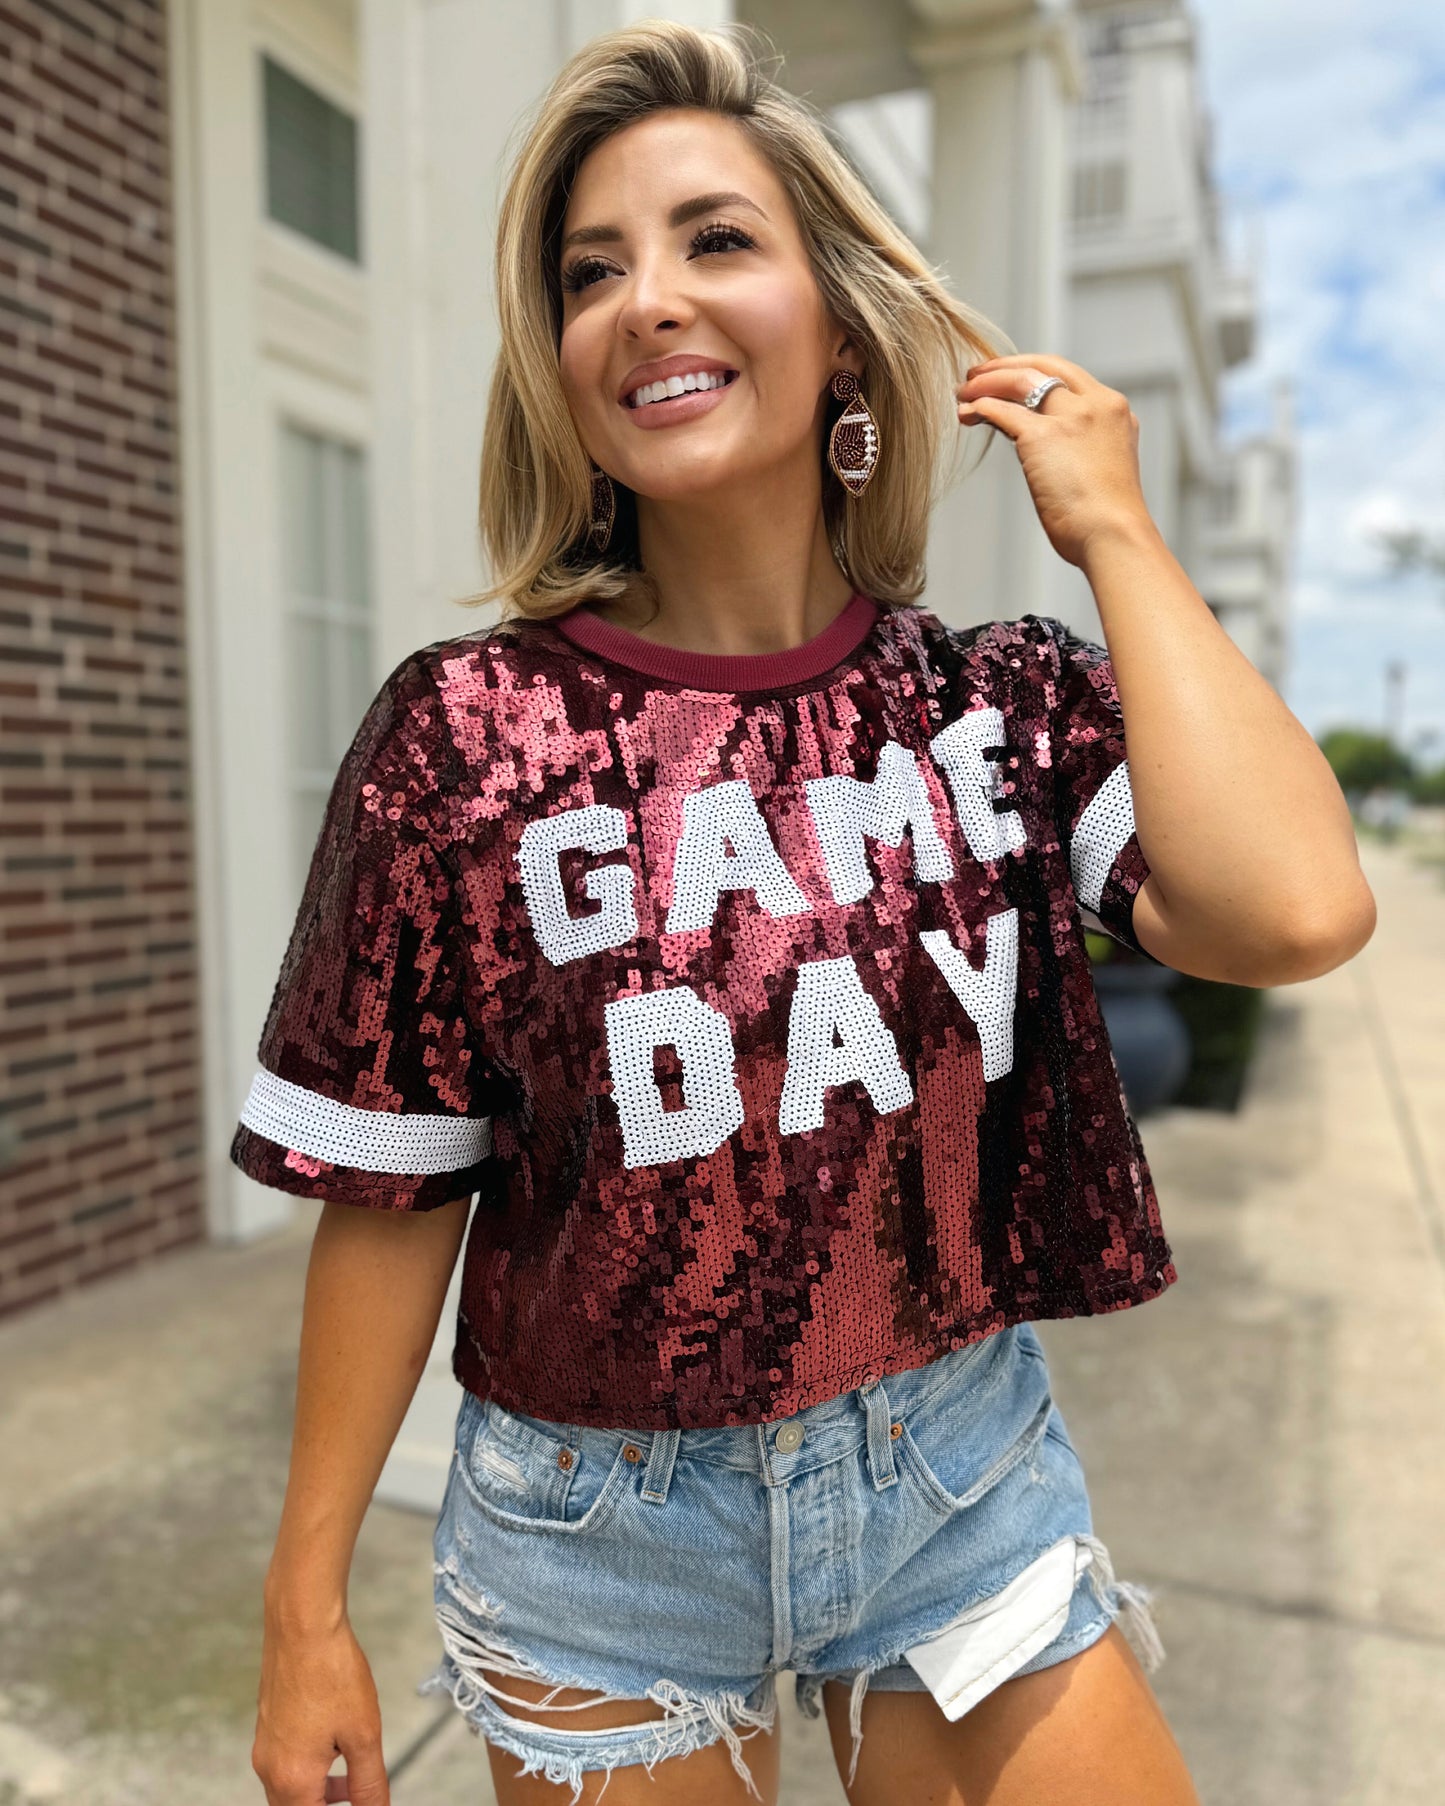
1036 394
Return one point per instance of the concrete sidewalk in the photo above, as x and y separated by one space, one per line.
1266 1443
1265 1448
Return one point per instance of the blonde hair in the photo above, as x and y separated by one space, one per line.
536 475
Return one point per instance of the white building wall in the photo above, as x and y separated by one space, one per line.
443 85
268 327
1158 310
1001 80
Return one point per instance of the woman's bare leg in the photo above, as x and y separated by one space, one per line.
1088 1731
705 1777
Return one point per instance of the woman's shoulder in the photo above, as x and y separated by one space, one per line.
948 646
514 639
998 632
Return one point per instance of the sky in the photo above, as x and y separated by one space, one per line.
1328 124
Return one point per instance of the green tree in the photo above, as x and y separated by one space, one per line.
1411 550
1428 786
1363 761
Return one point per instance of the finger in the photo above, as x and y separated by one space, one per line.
1075 375
365 1782
291 1781
1013 384
1007 416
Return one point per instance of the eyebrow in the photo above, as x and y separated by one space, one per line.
679 216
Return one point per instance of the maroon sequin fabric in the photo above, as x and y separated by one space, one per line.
751 995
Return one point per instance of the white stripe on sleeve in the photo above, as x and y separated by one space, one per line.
372 1141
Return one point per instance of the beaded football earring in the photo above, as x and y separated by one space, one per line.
603 510
853 442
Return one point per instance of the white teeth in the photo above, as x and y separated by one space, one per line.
677 385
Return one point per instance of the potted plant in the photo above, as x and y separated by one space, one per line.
1150 1040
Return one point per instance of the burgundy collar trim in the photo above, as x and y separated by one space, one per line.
724 671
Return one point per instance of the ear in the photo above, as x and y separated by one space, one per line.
846 353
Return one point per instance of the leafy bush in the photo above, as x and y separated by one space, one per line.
1223 1023
1428 787
1363 761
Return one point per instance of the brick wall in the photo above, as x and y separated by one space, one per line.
99 1091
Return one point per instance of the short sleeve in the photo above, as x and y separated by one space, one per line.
1093 801
371 1088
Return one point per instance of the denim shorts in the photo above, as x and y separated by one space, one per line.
929 1531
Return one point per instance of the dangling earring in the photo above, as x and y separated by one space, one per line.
603 510
853 442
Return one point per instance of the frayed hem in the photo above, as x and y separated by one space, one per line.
1130 1605
690 1720
810 1687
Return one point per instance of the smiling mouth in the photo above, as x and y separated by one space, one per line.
634 407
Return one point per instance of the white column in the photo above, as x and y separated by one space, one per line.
578 21
442 86
1002 73
232 597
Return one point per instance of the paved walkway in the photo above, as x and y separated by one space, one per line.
1266 1443
1265 1446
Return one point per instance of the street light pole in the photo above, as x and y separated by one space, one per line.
1395 701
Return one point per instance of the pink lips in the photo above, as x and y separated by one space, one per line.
678 408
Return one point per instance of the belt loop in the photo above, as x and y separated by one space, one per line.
880 1439
658 1475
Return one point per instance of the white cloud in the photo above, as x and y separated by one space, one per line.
1329 140
1378 511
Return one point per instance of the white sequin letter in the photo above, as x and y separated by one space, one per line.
560 935
712 1104
703 868
845 809
988 996
835 1034
975 781
1106 823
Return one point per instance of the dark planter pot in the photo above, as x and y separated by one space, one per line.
1149 1037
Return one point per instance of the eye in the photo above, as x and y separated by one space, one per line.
732 236
718 234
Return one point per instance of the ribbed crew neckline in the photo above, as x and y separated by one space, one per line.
724 671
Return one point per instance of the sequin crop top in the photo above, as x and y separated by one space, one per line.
750 995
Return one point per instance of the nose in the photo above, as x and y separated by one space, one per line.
654 297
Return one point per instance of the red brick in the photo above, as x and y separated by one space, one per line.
91 473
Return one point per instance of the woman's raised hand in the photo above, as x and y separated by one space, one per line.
1079 448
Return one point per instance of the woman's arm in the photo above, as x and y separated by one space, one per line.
374 1290
1254 870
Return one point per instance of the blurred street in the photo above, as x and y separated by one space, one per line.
1265 1447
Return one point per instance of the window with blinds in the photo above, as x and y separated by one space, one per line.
311 163
329 636
1099 191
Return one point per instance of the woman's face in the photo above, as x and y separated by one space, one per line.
730 285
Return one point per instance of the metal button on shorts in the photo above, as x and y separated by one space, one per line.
789 1437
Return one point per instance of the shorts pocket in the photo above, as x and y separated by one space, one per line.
1058 1431
524 1473
961 1441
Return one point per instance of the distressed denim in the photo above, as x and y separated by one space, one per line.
938 1515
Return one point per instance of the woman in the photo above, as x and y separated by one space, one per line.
718 918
